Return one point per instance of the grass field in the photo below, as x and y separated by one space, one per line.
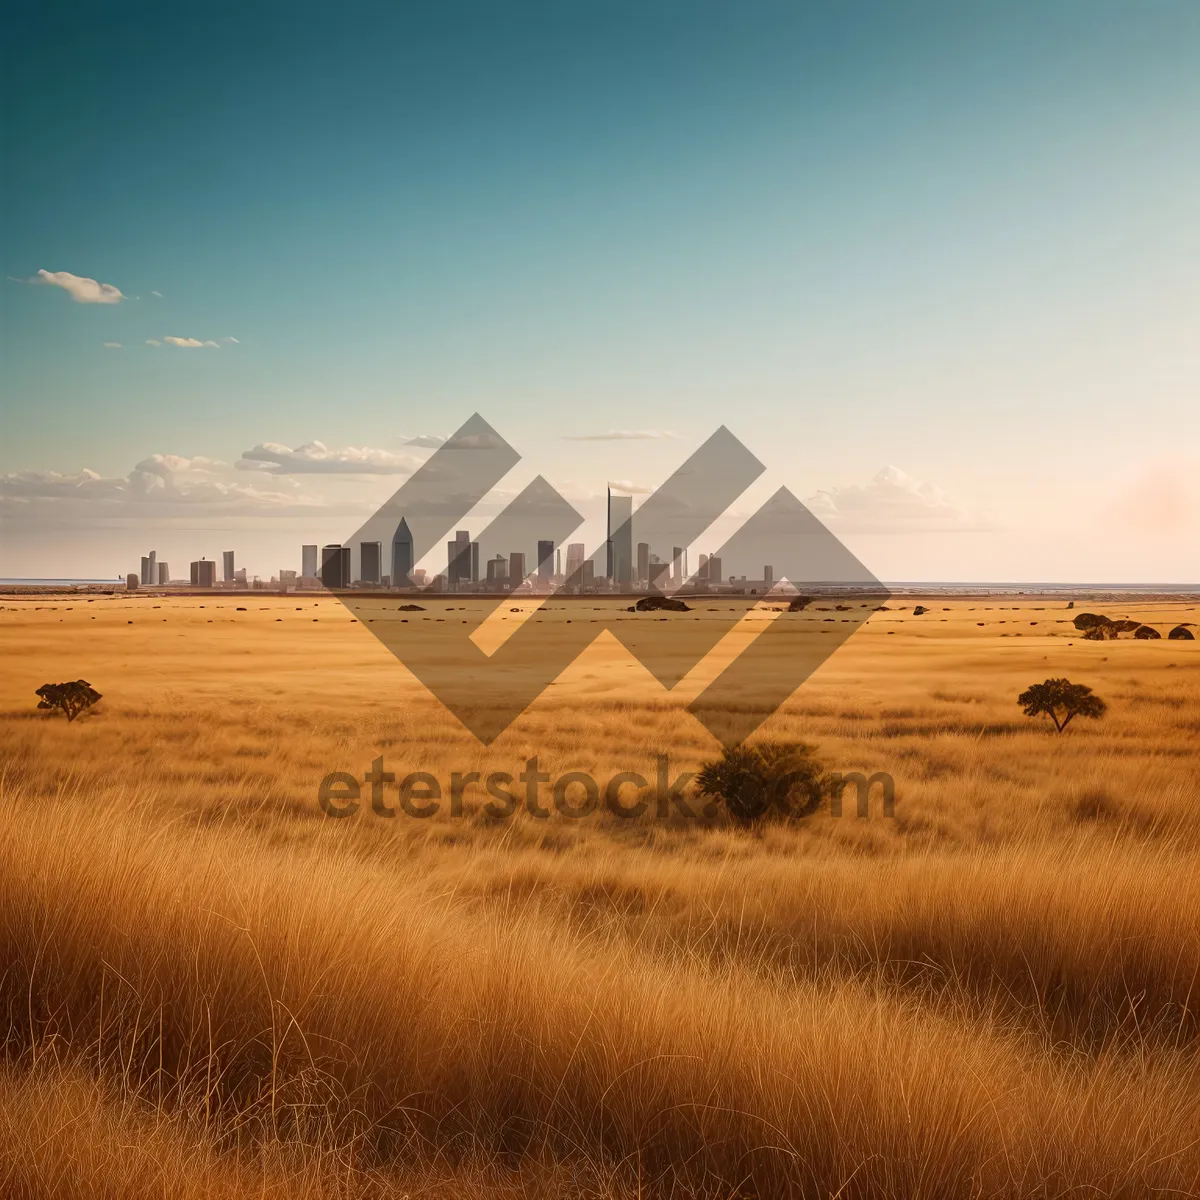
211 988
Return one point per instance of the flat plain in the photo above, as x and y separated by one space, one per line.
213 988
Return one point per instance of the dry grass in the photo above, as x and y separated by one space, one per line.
210 988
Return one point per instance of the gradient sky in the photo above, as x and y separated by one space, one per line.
937 264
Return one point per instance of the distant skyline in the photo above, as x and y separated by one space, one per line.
935 264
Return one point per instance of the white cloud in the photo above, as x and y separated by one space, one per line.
428 441
190 343
112 345
159 485
153 342
317 458
80 288
158 294
892 501
623 435
229 341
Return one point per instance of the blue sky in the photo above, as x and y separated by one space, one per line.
935 263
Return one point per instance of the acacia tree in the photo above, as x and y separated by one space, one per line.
1062 701
750 781
71 697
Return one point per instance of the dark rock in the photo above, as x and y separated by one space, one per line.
1145 633
1181 633
919 610
660 604
1124 627
799 603
410 608
1090 621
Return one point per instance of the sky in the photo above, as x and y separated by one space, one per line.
935 264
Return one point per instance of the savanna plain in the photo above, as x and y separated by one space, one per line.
211 988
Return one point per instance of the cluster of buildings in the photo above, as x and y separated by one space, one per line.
628 567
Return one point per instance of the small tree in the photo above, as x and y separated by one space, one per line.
72 697
751 780
1062 701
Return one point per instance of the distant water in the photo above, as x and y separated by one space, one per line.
930 585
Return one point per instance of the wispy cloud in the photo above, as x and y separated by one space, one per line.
623 435
158 294
80 288
428 441
112 345
893 501
317 458
191 343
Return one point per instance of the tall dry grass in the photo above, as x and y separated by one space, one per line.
208 988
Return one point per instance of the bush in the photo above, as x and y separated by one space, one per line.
1062 701
752 781
72 698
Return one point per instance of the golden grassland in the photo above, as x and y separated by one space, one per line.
211 988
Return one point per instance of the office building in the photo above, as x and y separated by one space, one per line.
335 566
227 565
558 562
769 577
474 562
702 573
620 539
149 575
574 558
545 561
497 570
402 556
308 562
516 568
643 561
204 573
677 573
714 569
370 562
164 574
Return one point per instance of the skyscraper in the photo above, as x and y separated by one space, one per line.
474 562
714 569
768 577
370 562
458 559
335 566
164 574
204 573
574 558
643 562
308 562
620 538
402 556
150 570
677 574
516 568
545 561
227 563
702 573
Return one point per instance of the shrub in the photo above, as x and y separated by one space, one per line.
751 781
1062 701
72 697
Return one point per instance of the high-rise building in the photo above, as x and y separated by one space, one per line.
227 565
643 561
474 562
575 552
516 568
620 538
164 574
769 577
131 582
370 562
149 576
308 562
458 559
558 562
702 573
402 556
204 573
714 569
497 569
545 561
677 575
335 566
